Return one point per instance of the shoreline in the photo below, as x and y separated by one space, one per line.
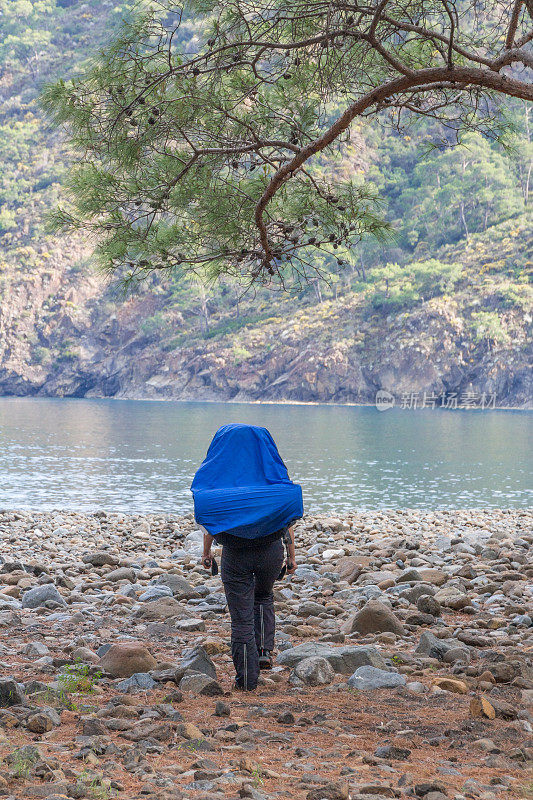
312 516
211 401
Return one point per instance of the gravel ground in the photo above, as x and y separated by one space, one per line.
403 666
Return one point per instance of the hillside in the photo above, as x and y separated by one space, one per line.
446 307
64 333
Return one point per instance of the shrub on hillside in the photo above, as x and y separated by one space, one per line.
397 287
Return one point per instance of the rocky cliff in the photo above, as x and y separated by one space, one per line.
65 332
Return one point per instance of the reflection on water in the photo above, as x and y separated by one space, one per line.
135 456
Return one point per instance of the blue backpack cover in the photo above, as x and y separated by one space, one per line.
243 486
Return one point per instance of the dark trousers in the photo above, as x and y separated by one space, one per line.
248 577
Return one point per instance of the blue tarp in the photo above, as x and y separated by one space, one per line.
243 486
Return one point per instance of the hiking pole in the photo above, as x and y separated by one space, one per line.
288 563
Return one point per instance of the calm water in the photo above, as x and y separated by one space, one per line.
136 456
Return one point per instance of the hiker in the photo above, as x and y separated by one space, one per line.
244 500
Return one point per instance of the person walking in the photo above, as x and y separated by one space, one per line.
245 500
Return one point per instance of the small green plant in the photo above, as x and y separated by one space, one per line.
94 786
78 679
55 698
240 354
257 775
192 745
67 355
174 343
23 760
40 355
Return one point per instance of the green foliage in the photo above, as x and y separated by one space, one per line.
240 353
233 325
396 287
38 39
95 786
488 326
460 191
515 295
155 325
400 166
68 352
8 219
180 140
440 195
174 343
26 37
257 775
192 745
40 355
22 760
78 679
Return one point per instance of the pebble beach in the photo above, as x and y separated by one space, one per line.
403 664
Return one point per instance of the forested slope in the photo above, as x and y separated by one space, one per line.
444 306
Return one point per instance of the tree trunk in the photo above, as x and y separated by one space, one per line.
363 273
463 220
526 183
203 308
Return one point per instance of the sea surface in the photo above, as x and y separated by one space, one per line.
140 456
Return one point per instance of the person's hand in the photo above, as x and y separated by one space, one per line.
291 567
207 561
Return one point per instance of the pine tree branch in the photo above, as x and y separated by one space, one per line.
461 76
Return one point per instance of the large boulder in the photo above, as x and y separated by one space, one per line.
35 649
315 671
154 593
11 693
40 595
310 609
290 657
452 597
428 605
200 684
195 659
374 617
180 588
409 575
430 646
368 678
349 568
120 574
163 608
39 723
126 658
344 660
138 682
433 576
99 558
414 592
